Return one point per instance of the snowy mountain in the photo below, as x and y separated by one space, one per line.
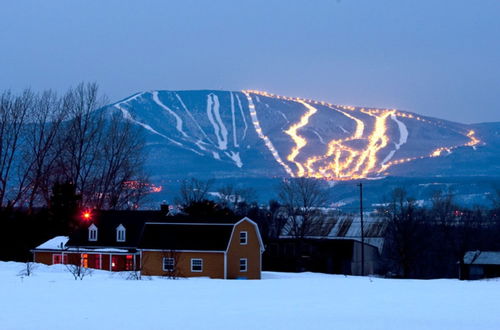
255 134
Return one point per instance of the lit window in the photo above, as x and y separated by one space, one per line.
85 260
196 265
129 262
243 237
243 264
92 233
120 233
168 264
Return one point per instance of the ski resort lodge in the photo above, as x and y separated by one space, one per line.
160 245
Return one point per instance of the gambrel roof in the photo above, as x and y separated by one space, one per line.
186 236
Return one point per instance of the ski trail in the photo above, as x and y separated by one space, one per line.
235 156
178 119
319 136
235 140
300 141
192 117
126 114
403 137
216 121
267 142
243 116
283 115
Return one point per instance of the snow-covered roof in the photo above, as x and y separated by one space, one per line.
482 258
351 227
103 250
56 243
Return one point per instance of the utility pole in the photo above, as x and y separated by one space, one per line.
362 229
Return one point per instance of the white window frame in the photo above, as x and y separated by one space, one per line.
243 241
192 264
245 263
164 263
121 233
93 233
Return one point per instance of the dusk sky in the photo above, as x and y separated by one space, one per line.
437 58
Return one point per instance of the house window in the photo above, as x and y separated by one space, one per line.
243 237
92 233
169 264
196 265
85 260
243 264
59 259
120 233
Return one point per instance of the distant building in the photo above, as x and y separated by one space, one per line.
154 244
338 252
480 264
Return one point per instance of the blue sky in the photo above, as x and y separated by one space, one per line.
437 58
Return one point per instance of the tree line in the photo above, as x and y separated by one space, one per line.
420 240
48 139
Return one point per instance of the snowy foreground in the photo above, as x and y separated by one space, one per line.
52 299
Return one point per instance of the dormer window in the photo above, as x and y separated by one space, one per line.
92 233
120 233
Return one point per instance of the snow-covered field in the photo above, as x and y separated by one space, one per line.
52 299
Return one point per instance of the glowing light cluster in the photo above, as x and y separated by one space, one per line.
340 161
300 141
138 185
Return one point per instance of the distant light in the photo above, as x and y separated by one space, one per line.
87 215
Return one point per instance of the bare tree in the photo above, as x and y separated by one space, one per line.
28 269
404 236
81 145
194 191
13 114
303 199
40 150
78 269
120 162
231 197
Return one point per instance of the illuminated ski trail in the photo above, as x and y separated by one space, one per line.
341 162
258 129
300 142
335 148
376 141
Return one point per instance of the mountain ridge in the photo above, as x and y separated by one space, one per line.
252 133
